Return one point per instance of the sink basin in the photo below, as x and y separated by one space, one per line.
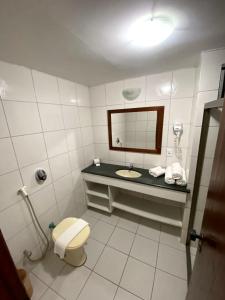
128 173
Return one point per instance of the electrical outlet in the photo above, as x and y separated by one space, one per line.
169 152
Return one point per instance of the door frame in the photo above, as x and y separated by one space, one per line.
200 160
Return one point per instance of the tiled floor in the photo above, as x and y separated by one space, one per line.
129 258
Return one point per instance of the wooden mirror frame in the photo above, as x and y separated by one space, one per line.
159 128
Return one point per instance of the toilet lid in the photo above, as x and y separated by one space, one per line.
76 242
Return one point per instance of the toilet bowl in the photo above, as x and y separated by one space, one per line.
75 254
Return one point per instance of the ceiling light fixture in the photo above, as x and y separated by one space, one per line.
149 31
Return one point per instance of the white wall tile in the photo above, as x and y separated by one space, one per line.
114 93
28 175
25 239
22 117
85 116
70 116
152 160
159 86
89 154
51 117
87 135
9 186
98 96
183 84
46 87
7 158
43 200
102 151
18 82
99 116
73 137
55 142
75 161
12 220
139 82
67 92
29 149
180 110
4 132
60 166
211 62
63 187
101 134
83 97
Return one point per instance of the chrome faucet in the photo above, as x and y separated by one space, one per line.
130 166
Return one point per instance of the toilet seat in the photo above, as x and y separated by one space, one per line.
78 240
74 253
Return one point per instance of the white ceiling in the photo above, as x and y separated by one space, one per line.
85 40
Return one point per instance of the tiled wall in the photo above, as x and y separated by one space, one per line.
174 90
45 122
207 90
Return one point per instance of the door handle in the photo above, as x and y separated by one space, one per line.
194 236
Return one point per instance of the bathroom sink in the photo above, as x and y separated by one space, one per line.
128 173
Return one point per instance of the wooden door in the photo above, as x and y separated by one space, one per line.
208 277
10 286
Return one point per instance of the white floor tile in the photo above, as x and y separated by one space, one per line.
172 261
98 288
70 281
93 250
51 295
145 250
121 240
49 268
102 232
124 295
111 219
94 213
149 229
111 264
91 220
138 278
38 287
170 236
128 222
167 286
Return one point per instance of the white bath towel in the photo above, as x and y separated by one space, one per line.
66 237
176 171
168 176
183 180
157 171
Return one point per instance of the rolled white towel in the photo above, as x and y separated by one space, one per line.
182 181
168 176
157 171
176 171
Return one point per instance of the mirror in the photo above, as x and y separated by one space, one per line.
136 129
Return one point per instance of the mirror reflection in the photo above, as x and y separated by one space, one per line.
136 130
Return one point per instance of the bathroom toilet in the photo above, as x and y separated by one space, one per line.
75 254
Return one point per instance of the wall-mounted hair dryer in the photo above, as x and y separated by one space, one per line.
178 130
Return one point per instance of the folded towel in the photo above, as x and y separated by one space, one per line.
182 181
66 237
157 171
176 171
168 176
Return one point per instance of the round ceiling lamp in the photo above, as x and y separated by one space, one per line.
150 31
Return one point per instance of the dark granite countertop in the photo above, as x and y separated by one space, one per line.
109 170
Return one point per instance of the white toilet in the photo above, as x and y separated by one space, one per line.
75 254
